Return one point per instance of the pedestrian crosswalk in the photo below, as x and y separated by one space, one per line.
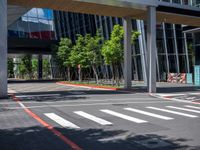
149 114
61 121
173 112
93 118
126 117
185 109
150 111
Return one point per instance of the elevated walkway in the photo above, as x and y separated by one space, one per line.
137 9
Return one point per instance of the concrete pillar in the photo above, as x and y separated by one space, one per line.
40 67
127 53
151 46
3 48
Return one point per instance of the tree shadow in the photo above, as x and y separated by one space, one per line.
39 138
42 96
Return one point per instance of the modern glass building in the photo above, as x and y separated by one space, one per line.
172 49
36 24
173 45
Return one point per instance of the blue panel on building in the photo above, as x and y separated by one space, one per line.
197 75
189 78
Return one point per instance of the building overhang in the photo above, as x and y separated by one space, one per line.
15 12
137 9
29 46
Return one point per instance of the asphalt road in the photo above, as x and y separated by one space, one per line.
95 120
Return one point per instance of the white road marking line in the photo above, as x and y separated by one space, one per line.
170 94
92 104
42 95
192 107
149 114
173 112
61 121
185 109
93 118
136 120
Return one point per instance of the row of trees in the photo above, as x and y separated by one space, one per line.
91 52
26 67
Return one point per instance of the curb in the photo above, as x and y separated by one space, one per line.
90 86
173 99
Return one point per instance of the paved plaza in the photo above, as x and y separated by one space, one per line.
47 116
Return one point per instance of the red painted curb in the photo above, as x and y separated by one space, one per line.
48 126
90 86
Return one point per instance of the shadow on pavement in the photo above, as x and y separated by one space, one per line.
39 138
177 89
43 96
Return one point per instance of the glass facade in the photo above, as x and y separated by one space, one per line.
195 3
173 46
36 24
172 53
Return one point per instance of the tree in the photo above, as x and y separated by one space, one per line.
27 65
112 49
78 56
56 60
64 49
10 68
35 67
46 67
92 50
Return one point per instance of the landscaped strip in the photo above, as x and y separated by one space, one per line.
89 85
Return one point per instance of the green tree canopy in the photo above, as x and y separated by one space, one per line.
64 49
10 68
112 49
78 55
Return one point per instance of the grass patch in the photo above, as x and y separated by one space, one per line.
92 84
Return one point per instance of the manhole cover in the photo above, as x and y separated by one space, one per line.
153 143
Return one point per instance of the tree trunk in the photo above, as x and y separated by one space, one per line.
95 73
79 75
113 74
68 73
117 74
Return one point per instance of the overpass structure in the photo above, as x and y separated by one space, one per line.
150 10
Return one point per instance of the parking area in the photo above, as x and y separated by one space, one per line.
51 116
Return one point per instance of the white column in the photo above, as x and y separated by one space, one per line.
151 46
127 53
3 48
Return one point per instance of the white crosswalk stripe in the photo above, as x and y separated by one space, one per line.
126 117
173 112
61 121
192 107
93 118
149 114
185 109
